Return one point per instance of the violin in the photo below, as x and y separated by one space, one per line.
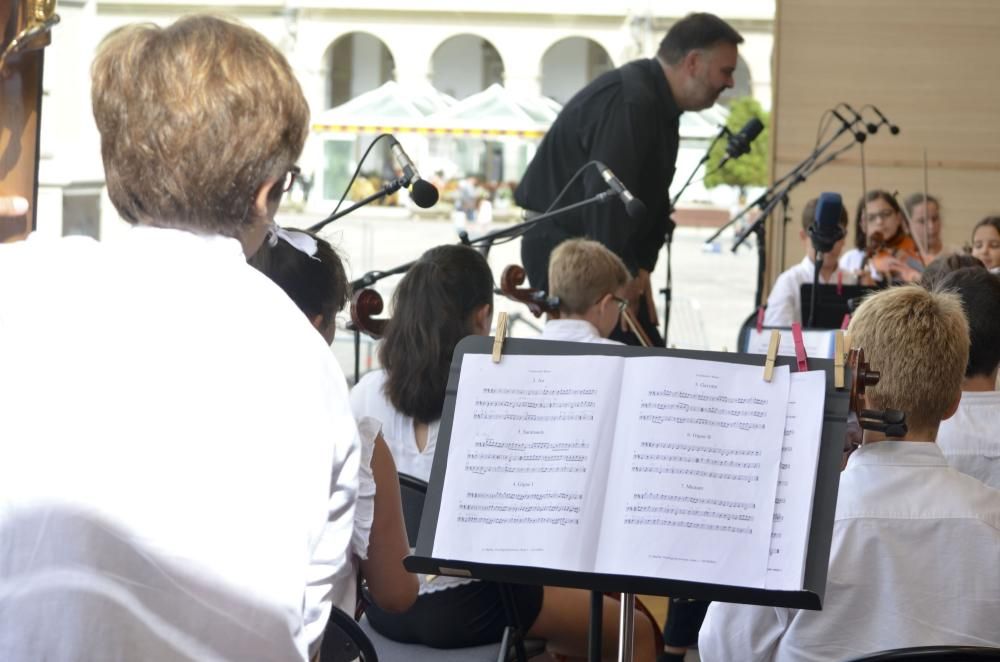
896 259
24 31
365 305
538 302
890 422
511 279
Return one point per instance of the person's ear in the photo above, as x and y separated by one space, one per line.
952 408
318 322
802 235
690 62
262 198
482 319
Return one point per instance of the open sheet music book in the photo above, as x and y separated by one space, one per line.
646 466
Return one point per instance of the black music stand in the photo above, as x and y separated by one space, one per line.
833 302
823 508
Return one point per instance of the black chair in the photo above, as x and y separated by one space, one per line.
345 641
933 654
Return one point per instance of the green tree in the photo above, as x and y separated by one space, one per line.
750 169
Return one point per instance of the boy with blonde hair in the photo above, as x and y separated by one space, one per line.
896 578
589 281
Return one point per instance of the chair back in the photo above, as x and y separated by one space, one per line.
345 641
413 492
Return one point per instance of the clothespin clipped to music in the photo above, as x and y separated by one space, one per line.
839 358
499 337
801 360
772 355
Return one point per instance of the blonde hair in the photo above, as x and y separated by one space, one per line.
581 271
194 118
919 342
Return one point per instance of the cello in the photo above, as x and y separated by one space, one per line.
26 30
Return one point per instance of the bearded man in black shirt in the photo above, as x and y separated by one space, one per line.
628 119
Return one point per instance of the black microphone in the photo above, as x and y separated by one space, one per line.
858 135
872 128
739 143
893 129
422 192
826 229
633 205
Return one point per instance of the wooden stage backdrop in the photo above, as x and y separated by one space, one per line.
930 66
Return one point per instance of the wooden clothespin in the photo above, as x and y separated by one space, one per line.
839 353
760 319
801 360
499 338
772 355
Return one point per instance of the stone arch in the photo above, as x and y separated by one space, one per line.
453 68
356 62
569 64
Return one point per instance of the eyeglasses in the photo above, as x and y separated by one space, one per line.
289 181
884 215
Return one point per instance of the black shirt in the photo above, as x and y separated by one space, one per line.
628 120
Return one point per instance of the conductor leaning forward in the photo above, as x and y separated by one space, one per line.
628 119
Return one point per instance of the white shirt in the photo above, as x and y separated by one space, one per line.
784 305
345 588
573 330
970 440
368 399
852 260
915 561
157 381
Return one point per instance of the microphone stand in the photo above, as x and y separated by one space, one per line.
372 277
385 191
778 193
668 236
812 295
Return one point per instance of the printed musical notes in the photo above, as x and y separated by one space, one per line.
648 465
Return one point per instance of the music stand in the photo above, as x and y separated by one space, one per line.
823 506
833 302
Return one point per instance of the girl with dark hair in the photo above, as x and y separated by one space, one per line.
446 295
986 242
310 272
883 249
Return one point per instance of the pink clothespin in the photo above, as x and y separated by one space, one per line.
840 283
846 322
760 319
800 348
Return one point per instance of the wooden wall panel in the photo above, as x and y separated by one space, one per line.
929 65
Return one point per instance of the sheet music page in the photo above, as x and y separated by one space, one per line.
793 500
818 343
527 460
694 471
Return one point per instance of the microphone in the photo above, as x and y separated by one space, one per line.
893 129
872 128
826 229
422 192
739 143
858 135
633 205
